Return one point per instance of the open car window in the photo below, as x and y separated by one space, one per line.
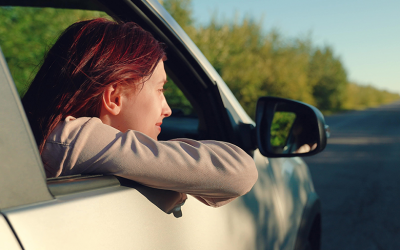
27 33
183 122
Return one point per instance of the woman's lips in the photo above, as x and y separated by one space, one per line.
159 126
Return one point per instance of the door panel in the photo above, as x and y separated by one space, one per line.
121 218
7 237
293 184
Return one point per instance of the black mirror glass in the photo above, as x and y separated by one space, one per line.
291 134
289 128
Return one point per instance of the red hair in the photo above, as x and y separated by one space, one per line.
87 57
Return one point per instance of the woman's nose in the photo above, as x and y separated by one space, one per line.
167 110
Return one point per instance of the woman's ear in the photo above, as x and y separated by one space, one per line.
112 99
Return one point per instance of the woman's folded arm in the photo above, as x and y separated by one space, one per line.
215 172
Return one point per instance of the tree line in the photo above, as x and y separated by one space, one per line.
254 63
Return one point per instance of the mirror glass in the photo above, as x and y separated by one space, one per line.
292 131
280 128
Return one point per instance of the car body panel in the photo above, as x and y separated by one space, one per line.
7 238
257 220
15 136
99 219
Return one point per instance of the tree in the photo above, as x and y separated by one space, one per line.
27 33
328 79
365 96
181 11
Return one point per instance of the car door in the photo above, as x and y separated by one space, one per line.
86 212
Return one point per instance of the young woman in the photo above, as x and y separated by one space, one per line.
96 107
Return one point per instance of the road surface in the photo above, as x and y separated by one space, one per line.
357 178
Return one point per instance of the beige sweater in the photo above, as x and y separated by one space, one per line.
215 172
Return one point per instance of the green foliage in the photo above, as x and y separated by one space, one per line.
176 99
254 65
27 33
328 79
234 51
280 128
182 12
361 97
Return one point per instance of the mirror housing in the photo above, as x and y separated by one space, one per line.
287 128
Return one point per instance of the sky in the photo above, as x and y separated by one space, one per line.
365 34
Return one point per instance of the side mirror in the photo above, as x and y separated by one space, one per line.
287 128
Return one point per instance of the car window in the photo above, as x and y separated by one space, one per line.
26 33
179 104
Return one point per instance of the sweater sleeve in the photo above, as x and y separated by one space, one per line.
215 172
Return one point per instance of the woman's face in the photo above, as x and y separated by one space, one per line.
145 108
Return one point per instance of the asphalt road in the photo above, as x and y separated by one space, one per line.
357 178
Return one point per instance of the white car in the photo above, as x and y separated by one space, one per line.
282 211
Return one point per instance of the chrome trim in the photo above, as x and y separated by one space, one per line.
76 184
327 131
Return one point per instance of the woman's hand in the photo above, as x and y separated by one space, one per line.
177 210
166 200
305 148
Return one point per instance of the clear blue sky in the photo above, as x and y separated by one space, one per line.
364 33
